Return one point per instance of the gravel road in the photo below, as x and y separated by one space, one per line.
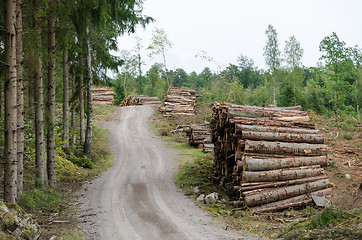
137 198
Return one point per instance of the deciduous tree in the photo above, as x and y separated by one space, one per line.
159 46
272 54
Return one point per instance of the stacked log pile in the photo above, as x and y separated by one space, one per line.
140 100
103 95
200 135
272 156
179 101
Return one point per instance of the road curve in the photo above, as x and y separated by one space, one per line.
136 198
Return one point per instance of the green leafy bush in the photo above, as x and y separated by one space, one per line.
82 162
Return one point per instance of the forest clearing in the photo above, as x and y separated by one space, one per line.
102 140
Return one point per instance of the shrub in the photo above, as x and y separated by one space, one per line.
82 162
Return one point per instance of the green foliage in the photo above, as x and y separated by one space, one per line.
40 200
118 92
82 162
155 85
271 49
196 173
293 53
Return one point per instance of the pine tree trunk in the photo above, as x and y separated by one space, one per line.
20 94
89 130
81 100
51 162
29 61
65 99
40 155
10 128
72 117
1 99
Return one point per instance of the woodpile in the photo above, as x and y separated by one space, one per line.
140 100
273 156
103 95
179 101
200 135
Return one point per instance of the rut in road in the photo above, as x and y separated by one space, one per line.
137 198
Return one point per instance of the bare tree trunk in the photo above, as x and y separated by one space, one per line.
139 65
274 101
89 130
40 156
30 62
337 107
81 100
51 162
1 99
72 118
10 128
164 62
20 94
65 99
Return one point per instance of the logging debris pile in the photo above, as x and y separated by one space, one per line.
140 100
103 95
179 101
272 156
200 135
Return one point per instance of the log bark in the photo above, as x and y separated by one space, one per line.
284 137
258 164
248 188
275 111
239 128
281 174
273 195
291 202
285 148
268 122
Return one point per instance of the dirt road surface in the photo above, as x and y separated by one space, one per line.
137 198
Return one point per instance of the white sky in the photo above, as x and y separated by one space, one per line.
226 29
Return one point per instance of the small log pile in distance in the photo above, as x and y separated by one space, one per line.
272 156
200 135
179 101
103 95
140 100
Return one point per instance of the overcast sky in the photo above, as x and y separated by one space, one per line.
226 29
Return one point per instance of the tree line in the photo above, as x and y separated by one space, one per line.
52 53
334 86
